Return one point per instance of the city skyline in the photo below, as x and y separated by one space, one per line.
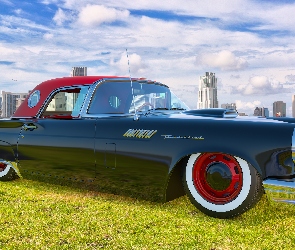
251 52
9 101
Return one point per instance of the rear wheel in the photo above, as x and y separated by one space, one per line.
221 185
7 172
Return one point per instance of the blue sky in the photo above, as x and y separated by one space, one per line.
249 44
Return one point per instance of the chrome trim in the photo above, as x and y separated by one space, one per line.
280 190
280 183
140 133
107 115
29 126
49 97
88 98
230 113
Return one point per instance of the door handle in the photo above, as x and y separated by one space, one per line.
29 127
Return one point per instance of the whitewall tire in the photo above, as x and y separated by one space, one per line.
221 185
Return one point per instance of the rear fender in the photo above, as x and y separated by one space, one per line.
230 151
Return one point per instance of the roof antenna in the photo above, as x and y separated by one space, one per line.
135 118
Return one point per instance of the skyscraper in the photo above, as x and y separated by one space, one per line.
279 109
265 112
79 71
261 112
293 105
207 96
11 101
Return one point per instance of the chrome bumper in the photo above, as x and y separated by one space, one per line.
280 190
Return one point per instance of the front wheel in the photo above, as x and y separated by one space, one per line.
221 185
7 172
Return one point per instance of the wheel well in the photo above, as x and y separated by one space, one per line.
175 187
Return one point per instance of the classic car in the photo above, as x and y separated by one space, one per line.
135 135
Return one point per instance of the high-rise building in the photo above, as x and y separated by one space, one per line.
229 106
279 109
293 105
261 112
11 101
207 96
79 71
265 112
257 111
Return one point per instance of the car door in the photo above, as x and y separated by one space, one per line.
126 164
129 158
60 148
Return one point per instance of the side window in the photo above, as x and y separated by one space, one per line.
66 103
111 98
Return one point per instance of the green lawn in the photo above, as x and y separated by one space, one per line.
38 215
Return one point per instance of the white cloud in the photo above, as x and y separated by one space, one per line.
247 107
48 36
18 11
93 15
276 57
137 67
276 17
224 60
7 50
259 85
193 7
60 17
290 78
6 2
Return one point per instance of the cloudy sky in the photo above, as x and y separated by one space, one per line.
248 44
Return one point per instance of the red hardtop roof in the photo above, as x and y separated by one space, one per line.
56 83
48 86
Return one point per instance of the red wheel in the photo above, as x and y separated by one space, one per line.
221 185
7 172
217 177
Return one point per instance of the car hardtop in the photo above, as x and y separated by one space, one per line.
44 91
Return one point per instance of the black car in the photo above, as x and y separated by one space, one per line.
136 135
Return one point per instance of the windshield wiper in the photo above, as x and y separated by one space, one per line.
160 109
177 109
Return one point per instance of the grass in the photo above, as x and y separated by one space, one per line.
38 215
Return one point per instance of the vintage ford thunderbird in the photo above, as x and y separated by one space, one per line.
136 135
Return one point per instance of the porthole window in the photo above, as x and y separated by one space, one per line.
34 99
114 101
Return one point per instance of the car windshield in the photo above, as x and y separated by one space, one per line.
120 97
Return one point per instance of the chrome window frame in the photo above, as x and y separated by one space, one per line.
83 113
92 89
49 98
